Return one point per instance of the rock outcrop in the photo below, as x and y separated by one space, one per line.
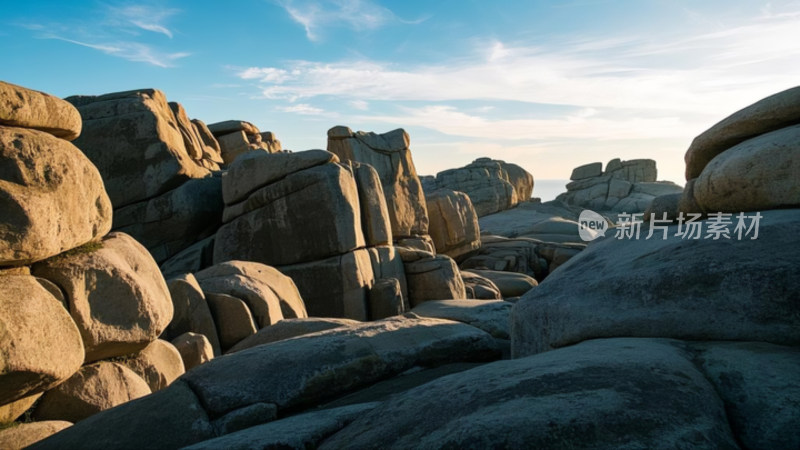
625 186
491 185
237 137
25 108
390 155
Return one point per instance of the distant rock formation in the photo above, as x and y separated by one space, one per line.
491 185
625 186
237 137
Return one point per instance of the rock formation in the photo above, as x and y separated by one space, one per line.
237 137
625 186
491 185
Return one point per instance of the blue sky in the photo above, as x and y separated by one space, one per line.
546 84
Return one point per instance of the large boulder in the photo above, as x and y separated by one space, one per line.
41 346
51 195
192 259
26 108
194 349
694 289
772 113
94 388
191 312
491 316
232 317
116 295
636 393
487 184
510 284
306 216
270 295
375 219
453 223
757 174
159 364
175 220
389 154
191 139
431 277
134 140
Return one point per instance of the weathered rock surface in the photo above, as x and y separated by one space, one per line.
553 221
389 154
270 295
11 411
159 364
289 328
432 277
194 349
51 195
769 114
192 259
757 174
259 169
128 134
211 149
491 316
94 388
694 289
335 287
641 393
758 384
26 108
191 312
301 431
191 140
453 223
510 284
175 220
116 295
272 227
479 287
41 345
590 170
26 434
375 220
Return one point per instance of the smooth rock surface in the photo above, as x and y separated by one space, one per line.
191 312
693 289
453 223
194 349
26 108
159 364
290 328
26 434
491 316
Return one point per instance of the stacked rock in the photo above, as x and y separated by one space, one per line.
748 161
236 137
491 185
625 186
322 223
157 167
82 310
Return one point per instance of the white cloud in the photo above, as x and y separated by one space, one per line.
360 105
264 74
683 75
304 109
359 15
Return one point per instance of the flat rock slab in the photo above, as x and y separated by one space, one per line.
290 328
314 367
491 316
694 289
640 393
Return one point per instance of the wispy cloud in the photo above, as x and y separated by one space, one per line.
359 15
117 31
680 76
148 18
